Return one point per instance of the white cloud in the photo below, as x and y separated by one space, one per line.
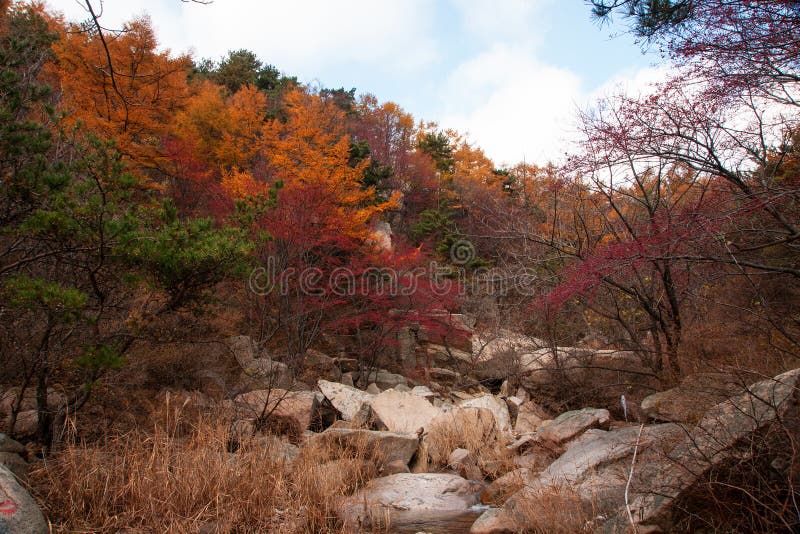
302 36
513 105
499 20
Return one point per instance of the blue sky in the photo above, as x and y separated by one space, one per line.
508 73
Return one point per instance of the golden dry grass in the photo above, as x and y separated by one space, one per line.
488 447
173 480
559 510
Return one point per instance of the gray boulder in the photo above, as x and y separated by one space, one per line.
730 431
570 425
347 400
407 500
19 513
403 411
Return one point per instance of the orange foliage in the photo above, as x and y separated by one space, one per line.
133 99
310 148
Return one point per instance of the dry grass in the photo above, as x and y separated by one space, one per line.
180 477
482 440
559 510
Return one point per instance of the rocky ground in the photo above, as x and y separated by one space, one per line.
441 452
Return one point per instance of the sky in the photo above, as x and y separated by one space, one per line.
510 74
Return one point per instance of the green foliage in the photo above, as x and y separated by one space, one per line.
376 174
242 67
437 146
26 293
99 358
25 173
187 257
341 98
649 16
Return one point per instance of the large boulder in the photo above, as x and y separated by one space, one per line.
507 485
497 406
409 501
596 465
242 348
301 406
16 464
347 400
19 513
530 417
570 425
689 400
403 411
385 379
270 372
495 521
9 445
55 399
732 431
594 469
26 424
387 446
502 353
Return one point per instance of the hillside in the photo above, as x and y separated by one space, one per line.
235 302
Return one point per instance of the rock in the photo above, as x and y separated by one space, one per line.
494 521
16 464
372 389
274 374
381 235
26 424
346 365
513 404
19 513
688 401
407 499
569 425
389 446
522 394
446 355
465 463
593 465
724 434
302 406
501 354
9 445
505 389
402 388
280 449
347 380
530 417
438 373
507 485
495 405
403 411
423 391
211 383
385 380
395 467
242 348
313 365
447 330
347 400
595 468
55 399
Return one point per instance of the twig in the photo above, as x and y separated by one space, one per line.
630 478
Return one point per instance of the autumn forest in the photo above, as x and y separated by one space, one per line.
180 233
